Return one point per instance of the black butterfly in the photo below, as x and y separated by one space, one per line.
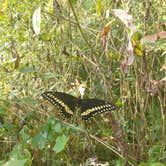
68 105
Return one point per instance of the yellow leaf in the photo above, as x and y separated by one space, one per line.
99 7
138 50
136 44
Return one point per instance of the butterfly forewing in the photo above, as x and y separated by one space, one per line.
65 102
91 107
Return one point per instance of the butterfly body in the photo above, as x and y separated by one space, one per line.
69 104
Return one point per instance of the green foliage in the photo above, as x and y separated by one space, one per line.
61 142
19 156
71 49
48 134
154 164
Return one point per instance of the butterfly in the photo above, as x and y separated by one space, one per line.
68 105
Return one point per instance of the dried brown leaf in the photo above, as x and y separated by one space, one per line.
154 37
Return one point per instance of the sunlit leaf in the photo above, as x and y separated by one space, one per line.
99 7
138 50
4 5
107 13
49 6
36 20
136 44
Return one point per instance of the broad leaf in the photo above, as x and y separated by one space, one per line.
61 142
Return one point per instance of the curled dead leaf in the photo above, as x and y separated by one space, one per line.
125 18
104 34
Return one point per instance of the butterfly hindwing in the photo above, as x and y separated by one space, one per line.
65 102
91 107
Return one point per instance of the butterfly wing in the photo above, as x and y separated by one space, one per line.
65 102
92 107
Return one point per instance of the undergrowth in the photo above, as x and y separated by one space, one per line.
70 52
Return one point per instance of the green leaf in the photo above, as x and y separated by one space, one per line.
48 75
58 128
157 164
51 121
39 140
3 108
25 154
27 70
152 164
25 137
143 164
20 156
15 162
61 142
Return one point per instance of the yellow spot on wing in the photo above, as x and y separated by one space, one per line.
67 109
101 108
